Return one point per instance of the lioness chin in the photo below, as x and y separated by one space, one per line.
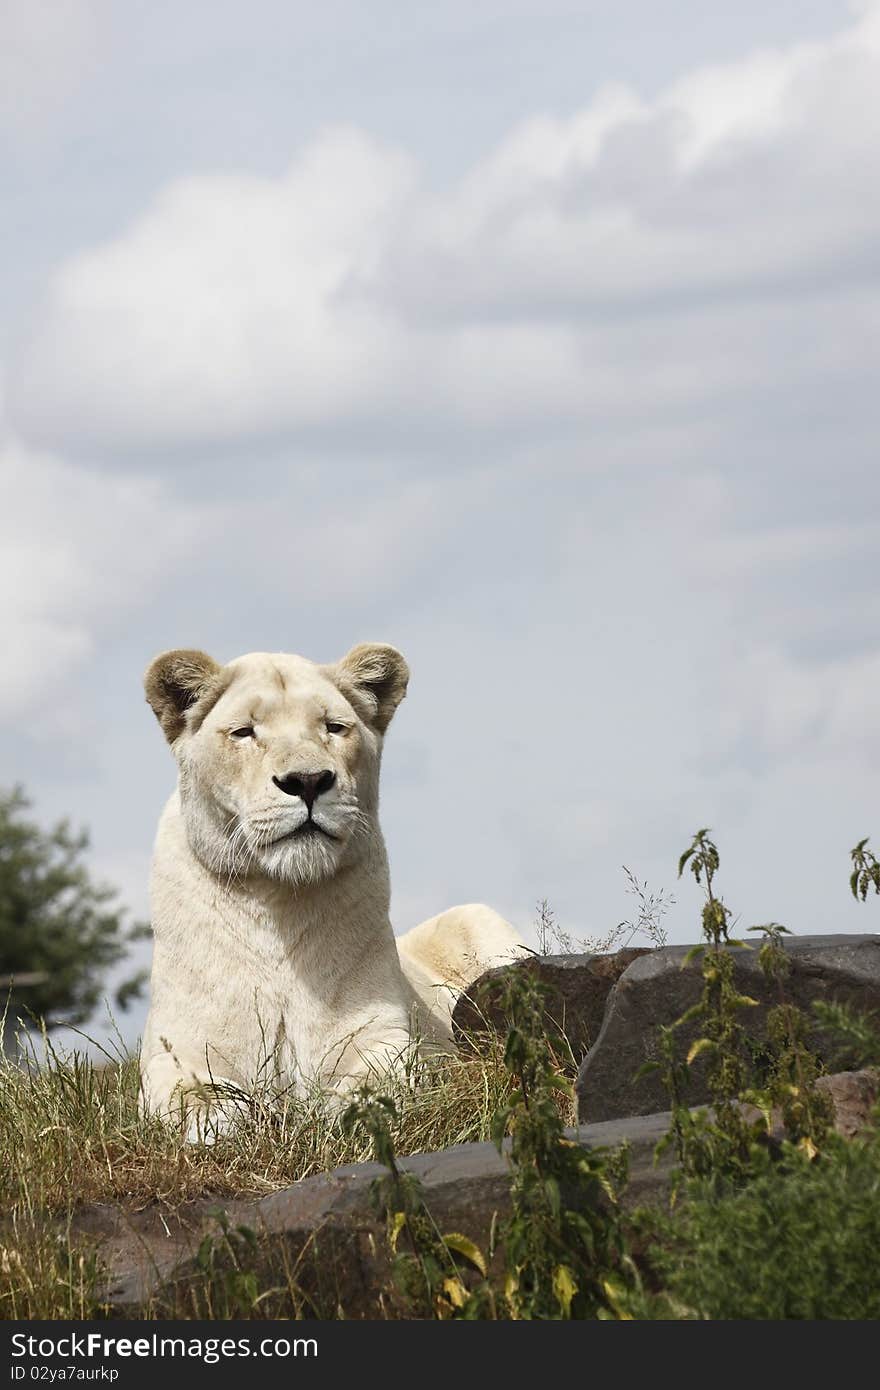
273 950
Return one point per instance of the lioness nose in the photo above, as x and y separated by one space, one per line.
308 785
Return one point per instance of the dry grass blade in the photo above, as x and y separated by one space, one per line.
71 1134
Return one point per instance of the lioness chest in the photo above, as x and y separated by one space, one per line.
250 995
276 1016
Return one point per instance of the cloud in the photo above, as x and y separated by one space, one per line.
779 710
589 434
78 552
611 668
751 176
270 558
635 260
46 51
219 314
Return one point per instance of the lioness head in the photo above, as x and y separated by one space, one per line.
279 757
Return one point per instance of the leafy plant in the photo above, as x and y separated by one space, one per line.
857 1035
721 1143
799 1241
866 871
793 1067
432 1273
562 1245
705 861
222 1260
562 1241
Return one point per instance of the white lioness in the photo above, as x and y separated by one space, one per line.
270 892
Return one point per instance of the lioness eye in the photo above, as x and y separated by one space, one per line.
334 728
246 731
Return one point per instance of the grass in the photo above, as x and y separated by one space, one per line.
72 1117
799 1239
751 1231
71 1134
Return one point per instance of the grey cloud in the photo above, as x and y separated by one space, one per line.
344 294
619 514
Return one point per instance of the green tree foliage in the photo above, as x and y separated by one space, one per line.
59 931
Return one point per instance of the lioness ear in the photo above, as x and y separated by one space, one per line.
174 682
377 675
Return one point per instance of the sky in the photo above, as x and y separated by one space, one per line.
537 339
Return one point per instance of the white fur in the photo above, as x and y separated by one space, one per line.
274 957
445 954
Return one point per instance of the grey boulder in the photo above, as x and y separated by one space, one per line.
659 987
576 990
